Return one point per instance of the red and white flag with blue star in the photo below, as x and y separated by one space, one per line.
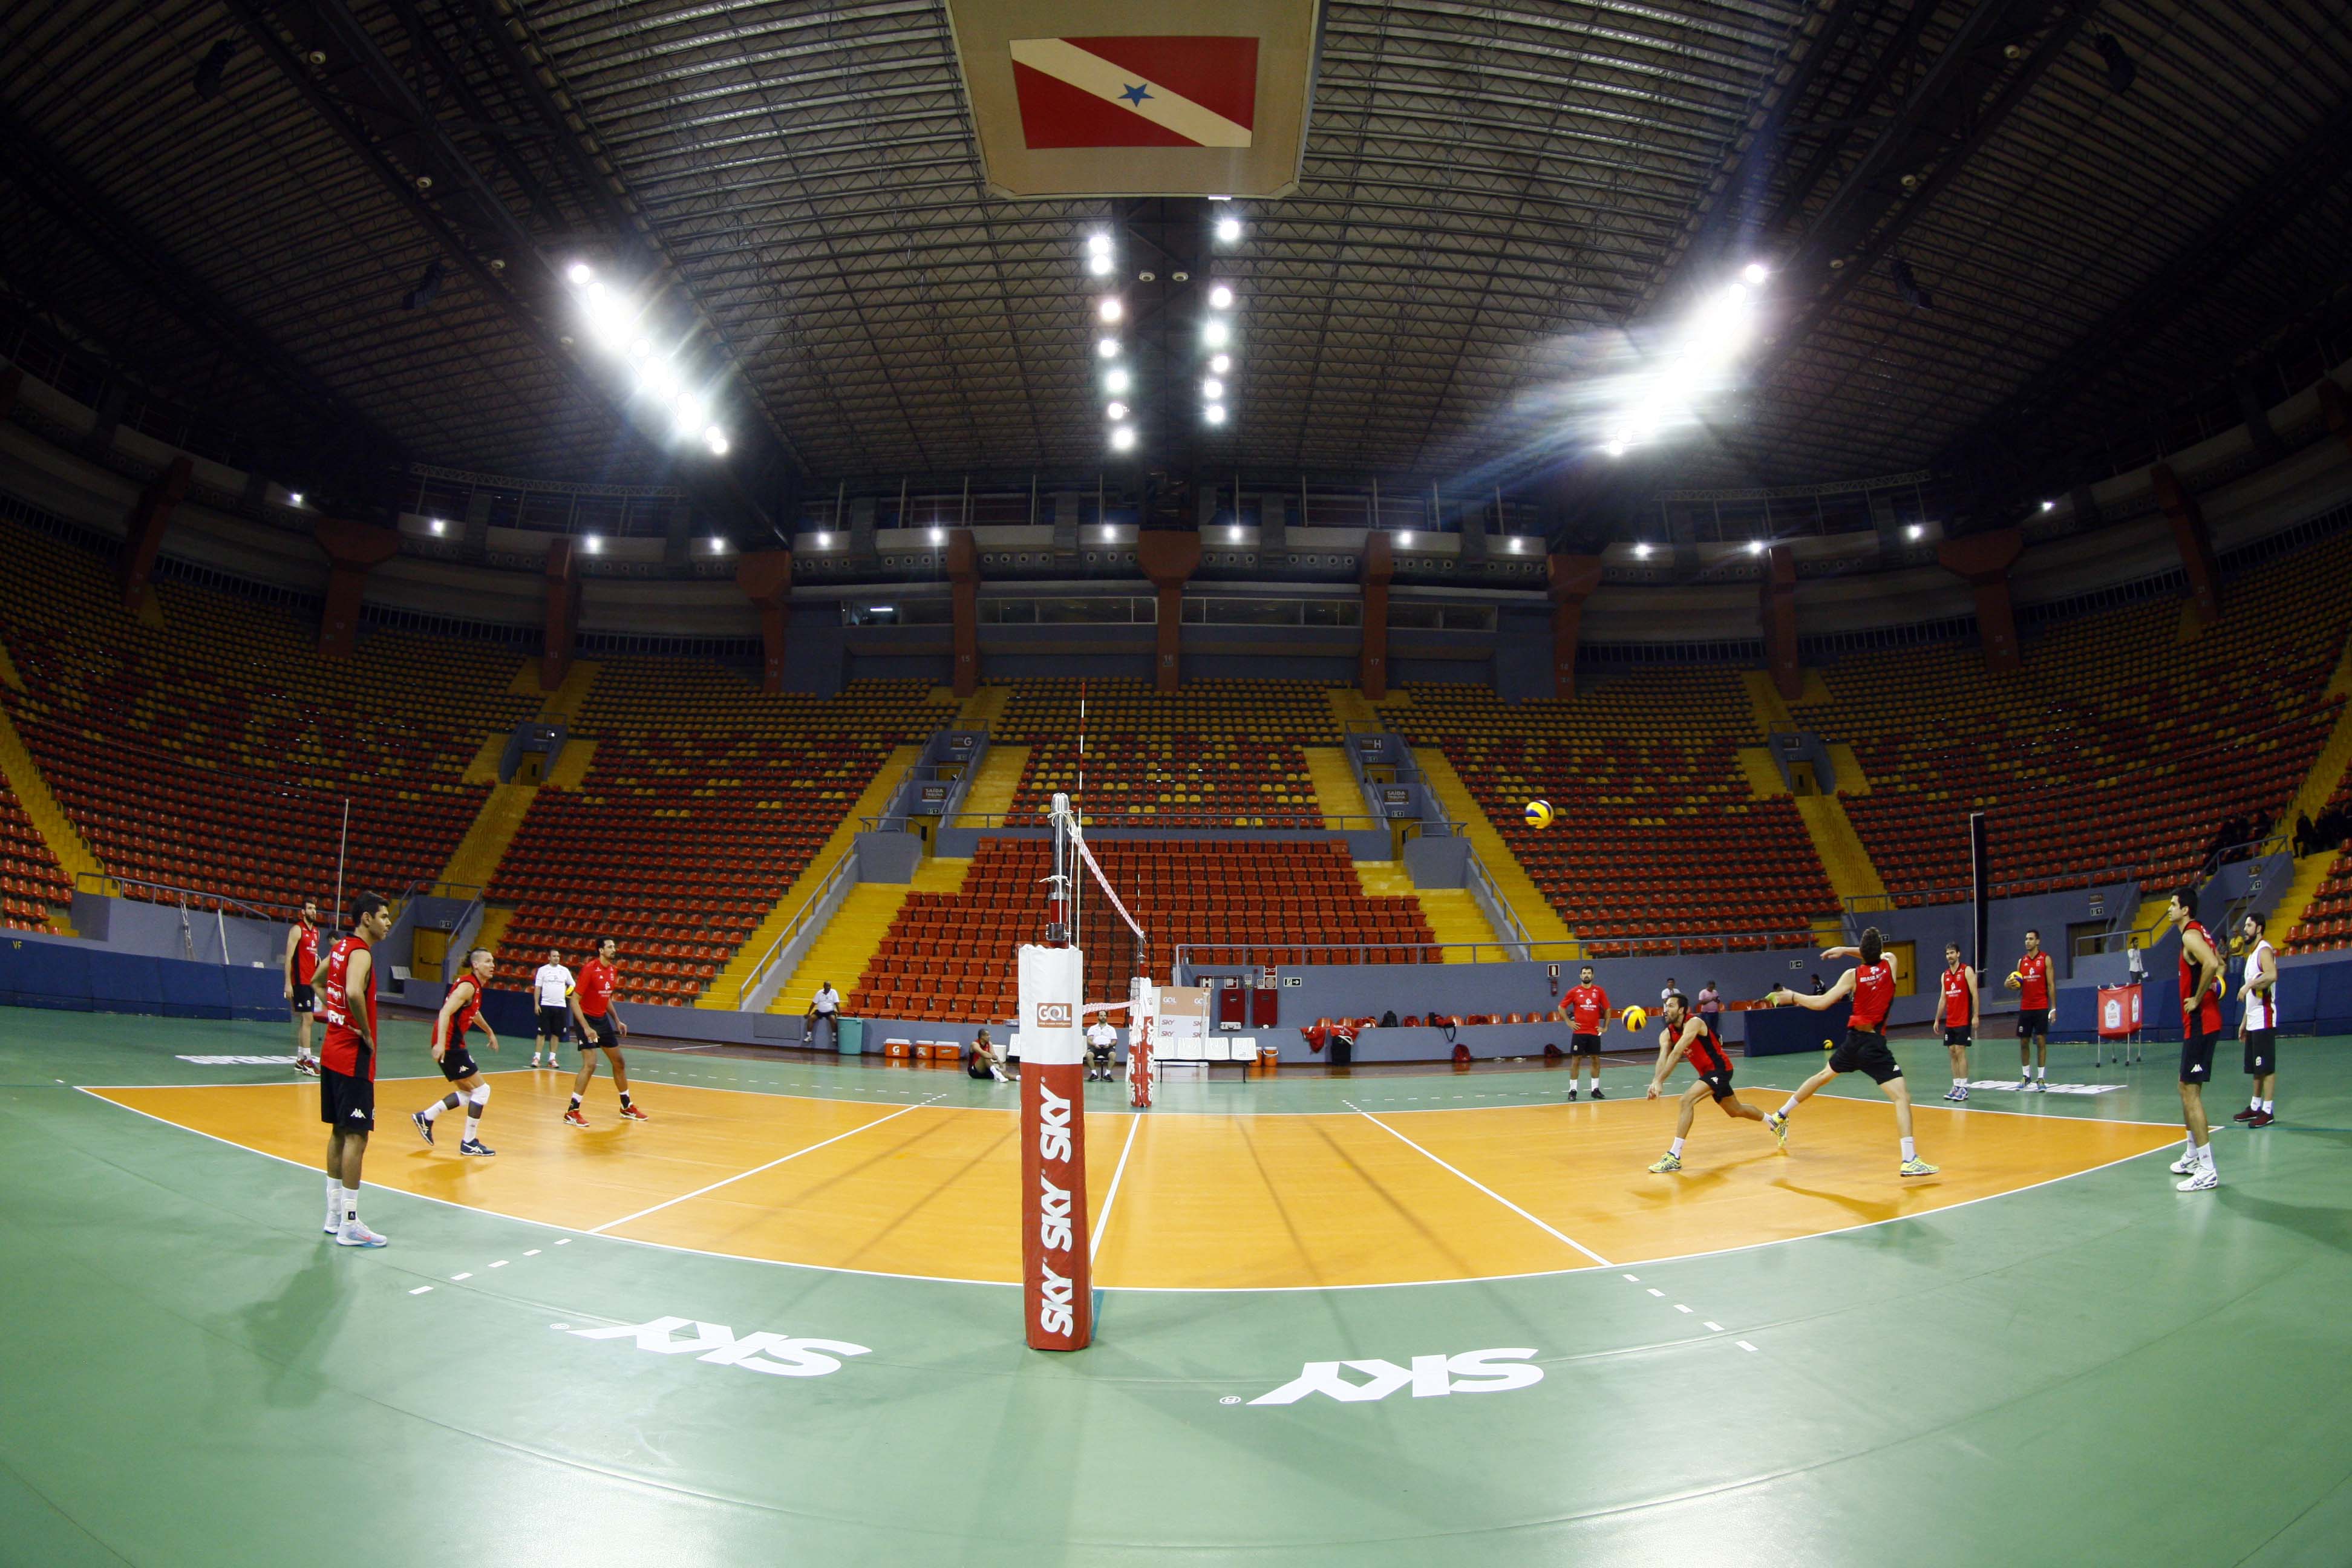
1178 91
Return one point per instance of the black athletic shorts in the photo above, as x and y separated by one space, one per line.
2197 1054
977 1067
1584 1045
2033 1021
1958 1037
456 1063
305 999
1865 1051
551 1021
601 1034
1720 1082
2261 1052
346 1102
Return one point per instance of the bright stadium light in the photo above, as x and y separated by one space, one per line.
436 525
1116 410
1405 540
717 546
1221 297
1122 438
1216 334
1110 310
1755 547
1754 273
1098 243
1212 389
294 498
2049 506
1220 363
1229 229
580 274
1237 534
939 536
1640 552
716 439
594 545
1615 448
823 540
1214 413
1099 263
1116 381
1108 347
642 349
1915 533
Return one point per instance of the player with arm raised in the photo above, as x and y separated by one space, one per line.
1688 1034
1871 983
2203 983
1963 1010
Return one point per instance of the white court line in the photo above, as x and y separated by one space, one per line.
600 1229
1481 1187
1093 1242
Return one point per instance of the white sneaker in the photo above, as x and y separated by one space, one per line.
334 1225
357 1234
2204 1179
2183 1165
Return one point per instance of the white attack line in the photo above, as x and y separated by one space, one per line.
656 1208
1102 1220
1548 1230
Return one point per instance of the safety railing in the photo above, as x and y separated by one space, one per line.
2127 935
106 885
1192 958
1861 904
775 963
1490 899
1161 818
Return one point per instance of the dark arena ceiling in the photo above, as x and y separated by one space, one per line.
2101 207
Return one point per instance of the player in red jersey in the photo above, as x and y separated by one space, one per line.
1688 1034
1588 1020
460 1010
2030 981
1871 983
347 1064
2203 983
1963 1010
600 1030
301 966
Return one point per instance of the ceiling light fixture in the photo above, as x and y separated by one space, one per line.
2049 506
1221 297
716 439
1915 533
1116 410
1122 438
1229 229
580 274
594 545
1212 389
1220 363
1116 381
1110 310
1755 547
294 496
1106 348
1216 334
1640 552
1215 414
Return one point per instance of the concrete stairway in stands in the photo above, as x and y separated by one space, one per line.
73 853
476 859
1542 922
1453 916
2309 873
983 707
991 795
727 985
2319 787
1336 794
561 706
854 934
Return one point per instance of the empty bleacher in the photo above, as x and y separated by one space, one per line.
1655 833
707 797
2120 750
1217 753
951 955
209 746
31 880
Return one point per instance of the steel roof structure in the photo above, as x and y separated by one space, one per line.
357 234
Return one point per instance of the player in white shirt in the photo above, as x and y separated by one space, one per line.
825 1007
552 988
1101 1040
2259 1026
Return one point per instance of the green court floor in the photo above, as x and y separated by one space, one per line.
2099 1370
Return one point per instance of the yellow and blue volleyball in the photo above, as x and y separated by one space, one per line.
1538 814
1635 1019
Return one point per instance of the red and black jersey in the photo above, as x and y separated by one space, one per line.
597 982
1956 998
2207 1016
2033 980
344 1050
1590 1003
306 953
1873 994
1705 1054
467 1012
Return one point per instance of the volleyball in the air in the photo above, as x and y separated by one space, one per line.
1538 814
1635 1019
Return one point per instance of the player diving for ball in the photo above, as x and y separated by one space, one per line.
1687 1034
1871 983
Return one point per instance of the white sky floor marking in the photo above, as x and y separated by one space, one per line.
1102 1220
656 1208
1548 1230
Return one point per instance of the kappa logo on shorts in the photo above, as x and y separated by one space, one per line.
778 1355
1429 1377
1054 1016
359 1116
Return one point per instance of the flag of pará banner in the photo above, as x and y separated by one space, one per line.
1113 98
1136 91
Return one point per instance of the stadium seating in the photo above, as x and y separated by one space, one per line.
1655 835
1218 754
31 880
951 955
2326 920
706 799
2118 751
214 749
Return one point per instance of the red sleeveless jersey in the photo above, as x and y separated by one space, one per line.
1956 998
343 1051
1873 994
1706 1053
306 954
467 1013
2033 980
2207 1016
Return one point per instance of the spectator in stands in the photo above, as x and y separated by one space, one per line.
1670 989
2134 962
825 1012
2306 836
1710 1004
1819 989
986 1060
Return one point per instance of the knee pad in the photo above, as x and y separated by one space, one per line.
481 1097
452 1100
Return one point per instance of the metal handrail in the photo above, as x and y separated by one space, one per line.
103 884
2150 934
1441 827
1494 905
793 926
1693 944
1880 903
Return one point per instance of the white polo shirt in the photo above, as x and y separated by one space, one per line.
1101 1035
554 983
827 1001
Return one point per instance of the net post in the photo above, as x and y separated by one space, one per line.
1143 1023
1057 1272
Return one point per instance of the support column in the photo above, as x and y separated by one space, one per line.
1984 560
766 578
2194 541
352 549
1379 565
142 531
562 624
1778 594
1573 579
1168 557
963 575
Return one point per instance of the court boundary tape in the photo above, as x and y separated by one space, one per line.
93 1091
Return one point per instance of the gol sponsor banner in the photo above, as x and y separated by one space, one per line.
2118 1011
1056 1276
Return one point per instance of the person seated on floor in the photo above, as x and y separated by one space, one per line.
986 1060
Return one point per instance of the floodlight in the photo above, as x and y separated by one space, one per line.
1116 410
1110 310
1116 381
1214 413
716 439
1221 297
1220 363
1122 438
1108 347
1212 389
1215 334
1229 229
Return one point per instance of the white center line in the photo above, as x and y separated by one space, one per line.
656 1208
1548 1230
1094 1243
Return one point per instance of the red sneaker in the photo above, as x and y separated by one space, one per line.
573 1118
634 1114
2260 1119
2248 1114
